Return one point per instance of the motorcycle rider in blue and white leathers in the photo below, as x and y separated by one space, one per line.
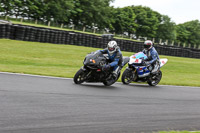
152 56
114 57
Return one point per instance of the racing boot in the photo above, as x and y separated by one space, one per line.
115 73
155 68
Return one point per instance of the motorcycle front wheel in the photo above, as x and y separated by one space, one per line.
155 78
127 77
79 77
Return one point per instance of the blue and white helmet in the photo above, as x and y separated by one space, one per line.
112 47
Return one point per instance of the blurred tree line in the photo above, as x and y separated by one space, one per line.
134 20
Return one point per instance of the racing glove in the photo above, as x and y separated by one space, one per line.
106 67
146 63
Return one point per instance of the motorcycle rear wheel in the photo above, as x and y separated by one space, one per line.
111 80
79 77
108 83
155 79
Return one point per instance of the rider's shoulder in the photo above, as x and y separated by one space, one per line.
153 50
118 49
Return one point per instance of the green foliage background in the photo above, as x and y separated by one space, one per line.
135 20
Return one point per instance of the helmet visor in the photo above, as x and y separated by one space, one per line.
147 46
111 49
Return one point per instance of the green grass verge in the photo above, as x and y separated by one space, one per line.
65 60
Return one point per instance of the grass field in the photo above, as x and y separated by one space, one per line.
65 60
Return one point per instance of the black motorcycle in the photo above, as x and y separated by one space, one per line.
93 71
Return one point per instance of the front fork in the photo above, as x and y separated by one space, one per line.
133 73
87 73
83 68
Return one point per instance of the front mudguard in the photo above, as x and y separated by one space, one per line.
134 73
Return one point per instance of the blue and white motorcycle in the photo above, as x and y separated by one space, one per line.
138 72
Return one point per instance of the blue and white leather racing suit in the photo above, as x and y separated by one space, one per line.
115 60
152 57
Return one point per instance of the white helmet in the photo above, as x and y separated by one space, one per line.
148 44
112 47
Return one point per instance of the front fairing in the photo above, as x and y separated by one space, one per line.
137 58
136 64
94 60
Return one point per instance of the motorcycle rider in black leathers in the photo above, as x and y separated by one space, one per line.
114 57
152 56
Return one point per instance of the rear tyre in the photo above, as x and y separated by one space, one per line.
79 77
155 78
127 77
111 80
108 83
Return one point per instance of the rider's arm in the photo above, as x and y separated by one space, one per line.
105 51
115 62
144 51
154 56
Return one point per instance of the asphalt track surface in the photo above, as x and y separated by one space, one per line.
31 104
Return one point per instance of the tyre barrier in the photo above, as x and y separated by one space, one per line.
47 35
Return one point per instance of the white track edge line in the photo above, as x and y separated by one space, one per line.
51 77
31 75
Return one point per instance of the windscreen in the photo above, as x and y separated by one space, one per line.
140 55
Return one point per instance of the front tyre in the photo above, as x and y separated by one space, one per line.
79 77
127 77
155 78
